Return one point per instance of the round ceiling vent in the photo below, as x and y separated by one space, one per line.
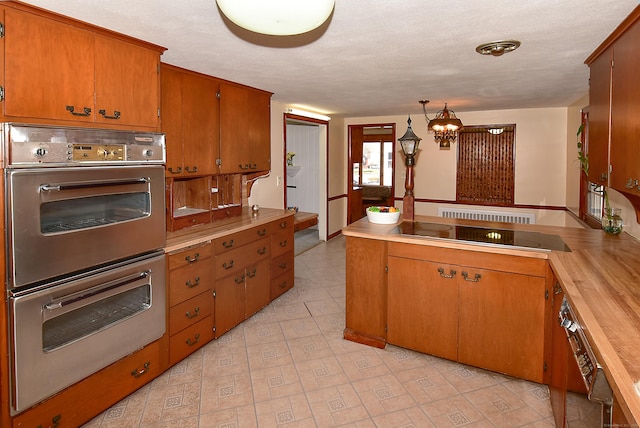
498 48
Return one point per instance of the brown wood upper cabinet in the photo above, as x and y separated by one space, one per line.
614 116
60 70
245 129
190 122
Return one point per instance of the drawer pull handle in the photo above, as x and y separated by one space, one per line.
283 265
228 265
239 279
262 250
177 171
475 278
193 259
139 372
451 274
283 225
190 342
192 284
252 274
116 114
262 232
87 111
193 170
226 244
196 312
283 284
283 243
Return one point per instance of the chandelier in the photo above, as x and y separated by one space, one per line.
445 125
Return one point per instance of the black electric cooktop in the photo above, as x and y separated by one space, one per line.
484 235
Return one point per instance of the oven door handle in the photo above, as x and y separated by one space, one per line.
89 184
93 294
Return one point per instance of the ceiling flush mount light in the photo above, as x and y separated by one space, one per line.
277 17
498 48
445 125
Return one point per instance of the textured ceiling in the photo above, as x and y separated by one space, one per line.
380 57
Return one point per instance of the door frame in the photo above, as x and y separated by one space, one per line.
351 192
323 141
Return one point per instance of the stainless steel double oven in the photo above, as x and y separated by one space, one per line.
85 231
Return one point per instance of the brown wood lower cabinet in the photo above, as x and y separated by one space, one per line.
437 301
190 300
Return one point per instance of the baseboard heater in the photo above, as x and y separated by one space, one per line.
485 215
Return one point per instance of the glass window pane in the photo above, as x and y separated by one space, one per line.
371 163
387 159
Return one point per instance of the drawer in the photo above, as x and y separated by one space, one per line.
190 339
239 258
282 263
114 382
282 283
235 240
189 281
190 312
282 242
285 223
190 256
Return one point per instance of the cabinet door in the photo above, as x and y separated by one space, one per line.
171 113
258 287
127 83
501 322
244 129
599 109
48 69
422 311
200 109
625 113
560 353
229 302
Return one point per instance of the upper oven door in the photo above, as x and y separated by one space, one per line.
66 220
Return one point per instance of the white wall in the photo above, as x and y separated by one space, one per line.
541 159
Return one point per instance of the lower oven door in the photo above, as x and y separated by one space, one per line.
68 220
62 334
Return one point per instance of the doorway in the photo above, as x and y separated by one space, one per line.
306 166
371 168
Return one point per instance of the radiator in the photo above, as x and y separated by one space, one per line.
475 214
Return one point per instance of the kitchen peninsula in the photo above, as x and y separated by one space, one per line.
492 305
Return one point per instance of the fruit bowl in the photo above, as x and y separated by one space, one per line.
383 215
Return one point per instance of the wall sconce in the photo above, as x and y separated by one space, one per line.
409 143
277 17
445 125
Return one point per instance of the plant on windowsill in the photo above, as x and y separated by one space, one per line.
611 219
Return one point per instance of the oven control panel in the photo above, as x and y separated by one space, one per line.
98 152
32 146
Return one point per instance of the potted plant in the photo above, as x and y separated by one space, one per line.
611 219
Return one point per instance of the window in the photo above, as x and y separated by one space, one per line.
486 166
377 162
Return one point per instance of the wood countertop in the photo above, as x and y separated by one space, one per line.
206 232
600 277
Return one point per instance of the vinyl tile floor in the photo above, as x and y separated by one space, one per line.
288 366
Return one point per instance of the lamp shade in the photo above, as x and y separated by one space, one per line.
409 141
277 17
